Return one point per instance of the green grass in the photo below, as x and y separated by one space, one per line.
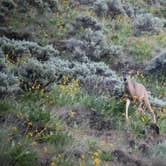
118 30
140 50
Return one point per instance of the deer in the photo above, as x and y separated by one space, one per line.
137 92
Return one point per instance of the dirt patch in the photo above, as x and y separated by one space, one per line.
127 159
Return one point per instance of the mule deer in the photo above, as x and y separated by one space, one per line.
137 92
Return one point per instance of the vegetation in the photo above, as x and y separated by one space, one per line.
61 88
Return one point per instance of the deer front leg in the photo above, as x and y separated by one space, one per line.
127 108
140 107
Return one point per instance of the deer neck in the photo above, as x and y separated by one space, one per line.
129 86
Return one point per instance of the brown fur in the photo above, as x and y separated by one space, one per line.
137 92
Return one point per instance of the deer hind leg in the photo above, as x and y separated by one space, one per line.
153 114
140 110
127 108
151 110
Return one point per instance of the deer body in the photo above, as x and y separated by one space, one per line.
137 92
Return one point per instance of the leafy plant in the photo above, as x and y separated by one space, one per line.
140 50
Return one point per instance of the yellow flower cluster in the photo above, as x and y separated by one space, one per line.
19 115
30 124
34 143
30 134
96 161
69 88
36 85
14 129
139 74
52 163
142 119
12 59
95 157
72 113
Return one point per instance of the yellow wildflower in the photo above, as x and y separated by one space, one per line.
72 113
96 154
39 134
45 149
61 86
33 87
142 119
48 136
30 134
163 115
14 129
34 143
59 155
82 157
19 115
111 145
96 161
30 124
7 55
101 144
52 163
142 76
65 78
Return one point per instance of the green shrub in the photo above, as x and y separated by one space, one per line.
36 114
140 50
4 106
13 153
60 140
106 156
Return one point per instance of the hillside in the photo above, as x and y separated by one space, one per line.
62 99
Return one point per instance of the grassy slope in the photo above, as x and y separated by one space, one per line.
51 129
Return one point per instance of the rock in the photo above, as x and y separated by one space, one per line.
126 159
147 24
152 130
144 148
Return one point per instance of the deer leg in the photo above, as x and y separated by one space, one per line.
140 110
127 108
153 114
151 110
